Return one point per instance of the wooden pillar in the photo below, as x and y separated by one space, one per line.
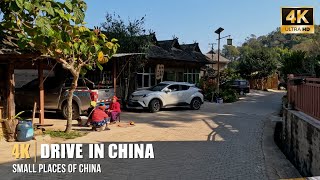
10 92
114 77
41 97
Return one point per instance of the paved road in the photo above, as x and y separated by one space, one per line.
217 142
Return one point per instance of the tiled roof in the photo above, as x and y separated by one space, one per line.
215 57
172 50
167 49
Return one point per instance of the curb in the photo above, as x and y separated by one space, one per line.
276 163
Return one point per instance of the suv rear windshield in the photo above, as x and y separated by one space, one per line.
242 83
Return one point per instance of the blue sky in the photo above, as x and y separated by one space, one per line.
196 20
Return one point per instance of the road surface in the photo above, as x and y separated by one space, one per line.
220 141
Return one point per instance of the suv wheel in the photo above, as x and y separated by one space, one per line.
154 106
195 103
75 110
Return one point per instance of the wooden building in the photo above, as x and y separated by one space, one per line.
182 63
132 70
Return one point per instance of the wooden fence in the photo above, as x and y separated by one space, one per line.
265 83
304 95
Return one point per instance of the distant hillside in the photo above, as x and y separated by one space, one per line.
290 41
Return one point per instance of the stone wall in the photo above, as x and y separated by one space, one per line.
301 141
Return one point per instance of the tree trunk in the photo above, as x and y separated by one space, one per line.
70 96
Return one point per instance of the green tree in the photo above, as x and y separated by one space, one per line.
56 30
257 63
282 47
297 62
132 33
230 52
281 53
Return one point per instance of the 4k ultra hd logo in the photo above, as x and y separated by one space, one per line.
297 20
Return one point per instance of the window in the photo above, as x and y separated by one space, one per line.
243 83
180 76
146 78
197 78
192 76
170 76
174 87
235 83
158 87
146 81
153 77
100 78
139 80
184 87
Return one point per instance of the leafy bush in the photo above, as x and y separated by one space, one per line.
208 87
229 95
229 74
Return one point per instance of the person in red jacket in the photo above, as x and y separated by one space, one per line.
99 118
114 109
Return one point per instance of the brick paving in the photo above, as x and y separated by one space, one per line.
217 142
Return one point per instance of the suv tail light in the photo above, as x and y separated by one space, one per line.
94 96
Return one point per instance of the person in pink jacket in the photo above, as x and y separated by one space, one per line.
114 109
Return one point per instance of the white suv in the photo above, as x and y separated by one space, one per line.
167 94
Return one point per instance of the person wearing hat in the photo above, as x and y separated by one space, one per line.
114 109
99 118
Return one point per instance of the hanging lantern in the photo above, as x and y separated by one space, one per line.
229 41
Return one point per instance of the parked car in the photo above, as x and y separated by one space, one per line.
102 93
56 92
240 86
167 94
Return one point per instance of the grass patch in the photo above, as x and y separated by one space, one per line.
62 134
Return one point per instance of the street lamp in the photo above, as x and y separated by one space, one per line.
229 42
218 31
211 44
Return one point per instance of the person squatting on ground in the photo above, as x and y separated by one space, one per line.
99 118
114 109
